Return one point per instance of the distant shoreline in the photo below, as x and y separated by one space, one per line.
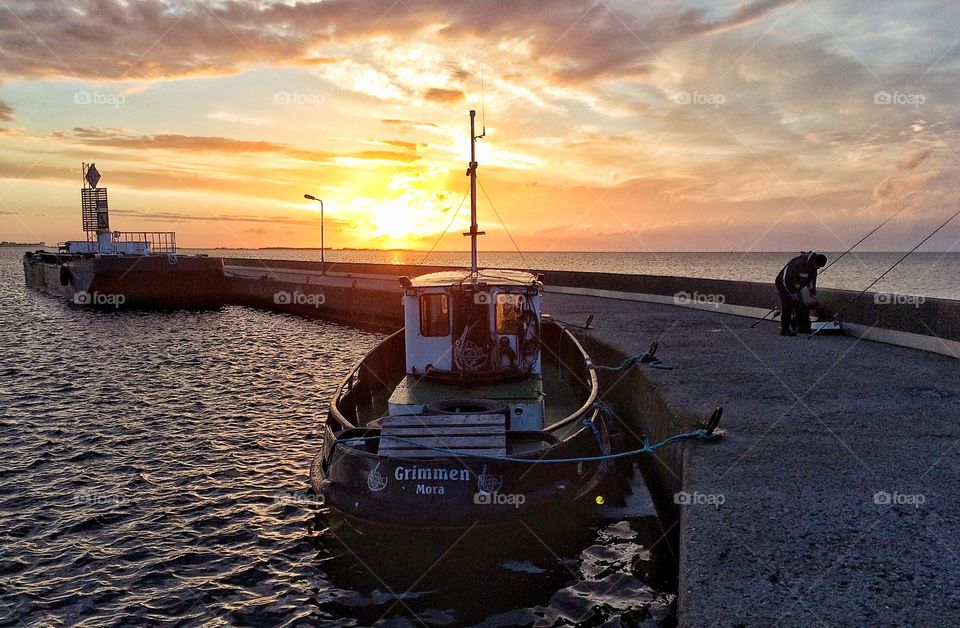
466 252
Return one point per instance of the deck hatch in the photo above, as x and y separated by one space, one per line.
462 433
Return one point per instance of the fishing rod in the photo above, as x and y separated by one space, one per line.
875 229
877 280
841 256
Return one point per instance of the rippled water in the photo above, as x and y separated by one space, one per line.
155 469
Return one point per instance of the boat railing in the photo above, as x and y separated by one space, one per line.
374 375
158 241
570 354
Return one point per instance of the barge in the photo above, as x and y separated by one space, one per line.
117 269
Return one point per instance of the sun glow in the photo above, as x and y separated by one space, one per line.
414 207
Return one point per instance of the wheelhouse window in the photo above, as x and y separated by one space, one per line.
509 308
434 315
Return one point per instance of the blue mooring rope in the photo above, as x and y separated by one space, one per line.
636 359
700 434
596 433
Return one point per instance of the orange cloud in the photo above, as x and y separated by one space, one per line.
117 138
444 95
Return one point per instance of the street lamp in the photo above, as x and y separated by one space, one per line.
323 265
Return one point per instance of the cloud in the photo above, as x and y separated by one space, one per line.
920 191
118 138
897 187
172 217
914 158
236 118
444 95
144 39
410 125
6 115
381 155
404 145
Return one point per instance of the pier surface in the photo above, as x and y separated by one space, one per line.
833 498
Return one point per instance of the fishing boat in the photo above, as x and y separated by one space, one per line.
480 410
122 269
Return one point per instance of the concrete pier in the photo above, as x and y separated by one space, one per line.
832 499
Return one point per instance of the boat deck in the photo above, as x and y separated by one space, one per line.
418 391
524 396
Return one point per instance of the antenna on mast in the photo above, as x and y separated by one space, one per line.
483 104
472 173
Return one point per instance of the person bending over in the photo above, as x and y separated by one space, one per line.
800 273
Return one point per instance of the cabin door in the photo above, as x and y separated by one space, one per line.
471 337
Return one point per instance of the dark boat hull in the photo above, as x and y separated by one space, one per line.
448 492
148 282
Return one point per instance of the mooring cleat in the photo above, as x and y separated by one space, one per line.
714 420
649 356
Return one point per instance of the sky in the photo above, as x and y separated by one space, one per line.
729 125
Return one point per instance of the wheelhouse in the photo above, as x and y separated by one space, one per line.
481 326
473 335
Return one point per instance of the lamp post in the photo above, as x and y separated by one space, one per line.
323 265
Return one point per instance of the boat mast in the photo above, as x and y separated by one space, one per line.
472 173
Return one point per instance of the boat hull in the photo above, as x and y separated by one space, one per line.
459 491
148 282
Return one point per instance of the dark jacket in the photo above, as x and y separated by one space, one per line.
799 273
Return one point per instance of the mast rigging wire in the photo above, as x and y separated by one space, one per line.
492 206
447 228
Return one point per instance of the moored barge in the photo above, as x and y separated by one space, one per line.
117 269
